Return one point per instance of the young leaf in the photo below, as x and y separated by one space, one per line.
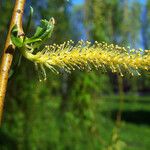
38 32
18 42
29 20
43 32
31 40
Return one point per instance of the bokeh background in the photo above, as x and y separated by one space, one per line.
83 110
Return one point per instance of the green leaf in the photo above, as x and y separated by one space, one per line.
29 20
18 42
14 30
31 40
39 31
43 32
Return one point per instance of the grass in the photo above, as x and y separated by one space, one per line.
135 135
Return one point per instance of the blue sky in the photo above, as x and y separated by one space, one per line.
77 1
82 1
143 1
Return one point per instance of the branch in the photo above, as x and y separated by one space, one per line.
8 51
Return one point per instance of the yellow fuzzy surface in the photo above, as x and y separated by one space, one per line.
84 55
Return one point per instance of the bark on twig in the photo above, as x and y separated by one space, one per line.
8 51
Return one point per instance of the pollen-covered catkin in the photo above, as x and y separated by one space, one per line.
84 55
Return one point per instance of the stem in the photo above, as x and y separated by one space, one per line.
8 51
121 100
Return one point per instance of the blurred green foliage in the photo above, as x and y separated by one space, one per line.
77 111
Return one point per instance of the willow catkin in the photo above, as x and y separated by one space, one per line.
83 55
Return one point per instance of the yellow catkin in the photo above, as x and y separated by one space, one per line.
84 55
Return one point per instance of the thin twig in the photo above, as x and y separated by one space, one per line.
121 100
8 51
